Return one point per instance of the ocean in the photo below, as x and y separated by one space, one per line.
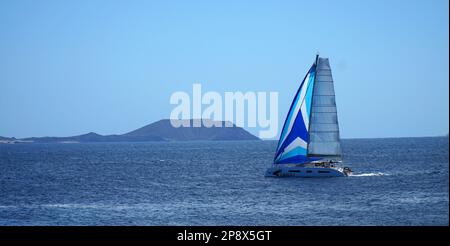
396 181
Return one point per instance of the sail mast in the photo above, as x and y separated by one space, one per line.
312 102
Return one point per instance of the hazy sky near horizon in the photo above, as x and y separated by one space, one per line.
71 67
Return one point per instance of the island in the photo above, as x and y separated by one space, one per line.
162 130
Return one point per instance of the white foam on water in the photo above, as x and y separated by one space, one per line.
73 205
369 174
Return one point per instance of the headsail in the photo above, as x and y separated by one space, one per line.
292 146
311 131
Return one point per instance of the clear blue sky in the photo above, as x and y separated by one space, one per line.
70 67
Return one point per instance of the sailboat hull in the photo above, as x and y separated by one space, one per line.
306 172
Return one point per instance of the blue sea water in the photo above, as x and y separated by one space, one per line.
398 181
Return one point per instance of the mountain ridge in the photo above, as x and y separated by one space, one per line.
161 130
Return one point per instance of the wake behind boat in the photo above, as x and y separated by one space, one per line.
309 144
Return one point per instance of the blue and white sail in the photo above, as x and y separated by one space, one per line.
311 130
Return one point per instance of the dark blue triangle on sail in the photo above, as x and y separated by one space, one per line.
293 144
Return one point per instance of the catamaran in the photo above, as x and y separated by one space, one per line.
309 144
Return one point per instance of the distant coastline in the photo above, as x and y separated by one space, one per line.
362 138
161 130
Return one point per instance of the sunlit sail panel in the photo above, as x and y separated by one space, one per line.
324 140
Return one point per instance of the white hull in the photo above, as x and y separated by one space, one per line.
306 172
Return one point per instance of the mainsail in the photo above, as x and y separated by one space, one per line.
311 130
324 138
